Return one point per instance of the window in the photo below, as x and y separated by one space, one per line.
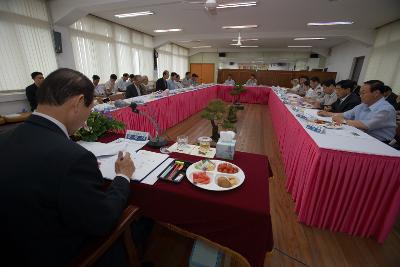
173 58
26 44
101 47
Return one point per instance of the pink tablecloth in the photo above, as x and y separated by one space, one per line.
341 191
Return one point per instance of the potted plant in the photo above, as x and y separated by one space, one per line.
232 118
236 92
216 112
96 125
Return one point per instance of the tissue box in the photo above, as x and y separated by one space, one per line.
225 150
204 256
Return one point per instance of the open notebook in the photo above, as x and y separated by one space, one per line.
145 163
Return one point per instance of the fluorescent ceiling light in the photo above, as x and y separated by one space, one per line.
244 4
235 44
300 46
240 27
190 41
309 38
244 39
330 23
203 46
136 14
249 46
169 30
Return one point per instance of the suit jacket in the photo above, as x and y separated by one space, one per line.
131 91
349 103
392 100
161 84
51 195
30 92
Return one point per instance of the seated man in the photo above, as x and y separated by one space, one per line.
316 86
329 97
390 96
178 83
99 89
110 87
52 193
195 79
162 83
133 90
346 98
31 90
187 81
374 115
303 90
131 76
145 85
229 81
295 86
122 83
252 81
171 81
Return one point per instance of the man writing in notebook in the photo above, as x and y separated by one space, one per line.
51 197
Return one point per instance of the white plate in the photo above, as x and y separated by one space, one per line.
213 186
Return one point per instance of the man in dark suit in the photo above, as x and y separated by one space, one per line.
135 89
347 99
162 83
30 91
51 196
390 97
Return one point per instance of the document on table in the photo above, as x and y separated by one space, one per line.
145 163
112 148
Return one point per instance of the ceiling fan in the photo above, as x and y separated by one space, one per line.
239 41
210 6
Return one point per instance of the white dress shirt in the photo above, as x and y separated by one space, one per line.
121 84
229 82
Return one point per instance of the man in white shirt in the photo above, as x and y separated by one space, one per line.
178 84
329 97
229 81
187 81
122 83
171 81
252 81
99 89
110 87
316 86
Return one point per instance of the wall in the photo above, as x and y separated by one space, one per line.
342 56
300 59
66 58
384 63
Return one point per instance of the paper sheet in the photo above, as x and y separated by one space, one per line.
145 162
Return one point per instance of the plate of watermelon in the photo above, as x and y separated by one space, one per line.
226 176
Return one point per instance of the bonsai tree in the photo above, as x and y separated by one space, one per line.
232 114
236 92
216 112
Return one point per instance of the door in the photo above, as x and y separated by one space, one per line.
204 70
357 66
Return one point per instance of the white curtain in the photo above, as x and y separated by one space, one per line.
173 58
103 48
26 44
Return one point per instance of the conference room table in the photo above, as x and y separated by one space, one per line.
339 182
238 220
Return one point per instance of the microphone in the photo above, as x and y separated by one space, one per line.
156 141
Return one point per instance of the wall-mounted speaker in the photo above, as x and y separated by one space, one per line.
222 54
314 55
57 42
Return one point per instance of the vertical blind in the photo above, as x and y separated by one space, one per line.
102 47
173 58
384 62
26 44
